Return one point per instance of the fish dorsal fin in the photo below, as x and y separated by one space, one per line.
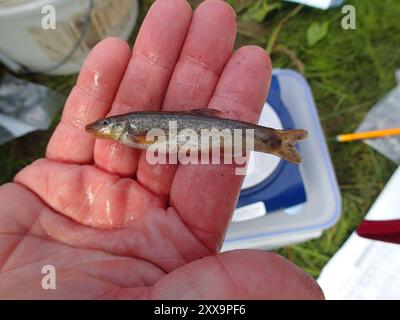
207 112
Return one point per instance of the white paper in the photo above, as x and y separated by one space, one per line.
367 269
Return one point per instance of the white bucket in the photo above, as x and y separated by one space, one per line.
24 42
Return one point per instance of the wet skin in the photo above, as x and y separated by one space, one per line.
64 210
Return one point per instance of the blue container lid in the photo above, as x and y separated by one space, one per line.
283 188
323 206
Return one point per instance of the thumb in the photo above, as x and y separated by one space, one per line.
239 274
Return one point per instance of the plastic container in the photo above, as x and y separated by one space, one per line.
271 182
25 43
320 4
323 206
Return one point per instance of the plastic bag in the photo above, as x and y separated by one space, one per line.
25 107
385 115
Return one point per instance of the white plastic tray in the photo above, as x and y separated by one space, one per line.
323 206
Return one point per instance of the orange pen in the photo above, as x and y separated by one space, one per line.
368 135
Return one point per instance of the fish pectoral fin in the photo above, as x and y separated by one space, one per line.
208 112
140 137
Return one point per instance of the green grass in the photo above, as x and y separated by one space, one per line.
348 70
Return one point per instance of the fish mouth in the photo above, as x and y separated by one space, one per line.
99 131
92 128
96 130
89 128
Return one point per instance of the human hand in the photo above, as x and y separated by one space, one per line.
114 226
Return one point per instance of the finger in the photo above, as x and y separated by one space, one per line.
87 194
241 274
207 48
89 100
205 195
154 56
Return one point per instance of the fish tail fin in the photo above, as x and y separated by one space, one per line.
289 139
284 144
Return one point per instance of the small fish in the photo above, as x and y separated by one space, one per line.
131 129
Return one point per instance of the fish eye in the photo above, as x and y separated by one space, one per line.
106 122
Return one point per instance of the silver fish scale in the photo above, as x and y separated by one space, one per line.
143 122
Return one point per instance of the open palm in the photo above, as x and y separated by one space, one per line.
114 226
